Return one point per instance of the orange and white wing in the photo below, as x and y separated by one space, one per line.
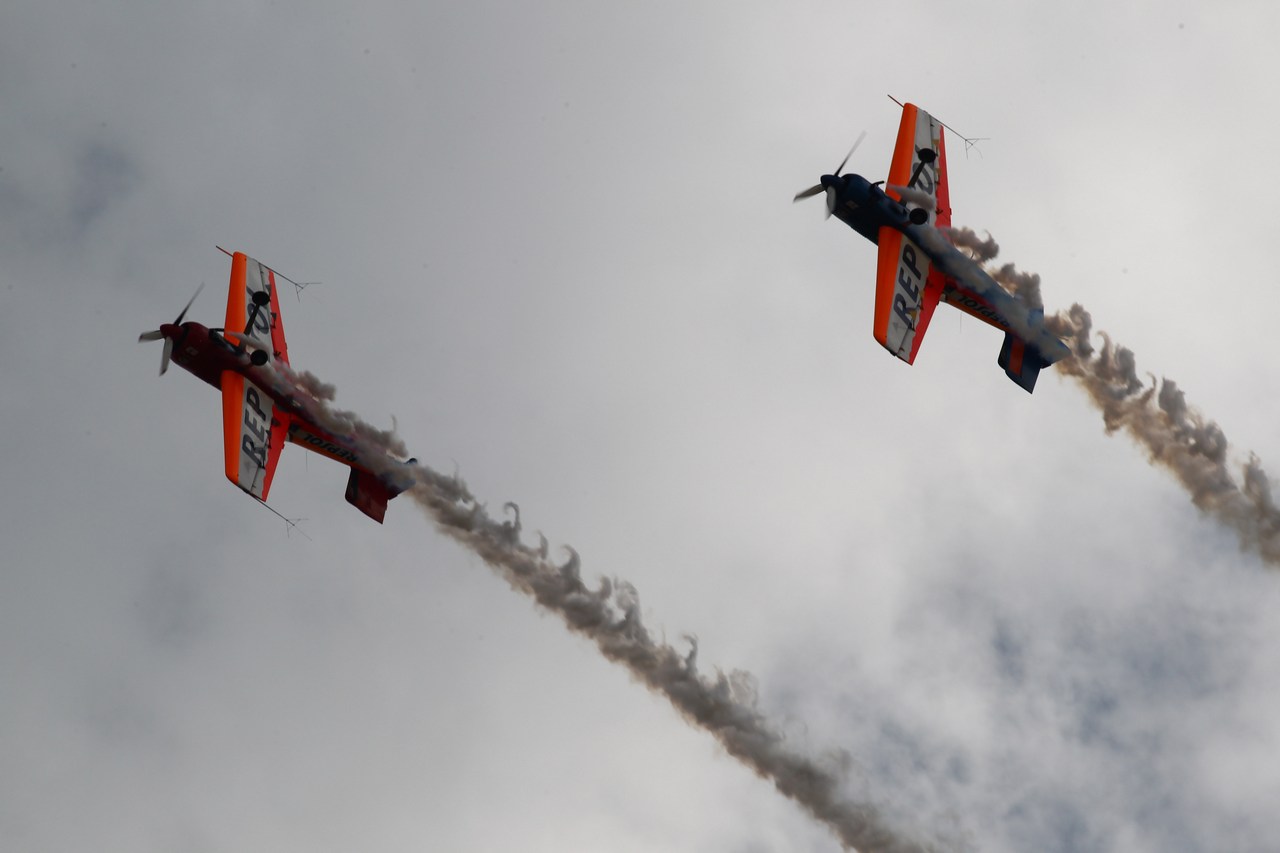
907 288
918 132
253 433
247 278
901 275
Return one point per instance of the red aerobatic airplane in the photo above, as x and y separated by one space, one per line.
261 405
918 266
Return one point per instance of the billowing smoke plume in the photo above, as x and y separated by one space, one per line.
609 615
1175 435
346 424
313 385
1024 285
980 249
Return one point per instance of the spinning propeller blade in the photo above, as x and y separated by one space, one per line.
813 190
178 322
840 168
157 334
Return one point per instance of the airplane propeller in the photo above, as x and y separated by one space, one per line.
828 186
158 334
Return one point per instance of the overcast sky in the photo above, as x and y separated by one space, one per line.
555 242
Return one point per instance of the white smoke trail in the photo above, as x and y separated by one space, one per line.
609 615
723 705
1175 435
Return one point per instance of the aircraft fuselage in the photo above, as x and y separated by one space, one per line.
866 208
205 353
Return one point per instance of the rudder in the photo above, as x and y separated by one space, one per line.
366 493
1021 363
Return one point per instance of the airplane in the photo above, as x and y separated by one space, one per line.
247 360
918 267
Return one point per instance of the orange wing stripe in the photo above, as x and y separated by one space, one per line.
235 295
904 152
928 302
886 274
279 428
277 325
944 190
232 412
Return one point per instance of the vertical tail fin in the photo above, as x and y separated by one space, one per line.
367 494
1022 361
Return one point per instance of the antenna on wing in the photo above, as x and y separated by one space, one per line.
969 142
298 286
291 523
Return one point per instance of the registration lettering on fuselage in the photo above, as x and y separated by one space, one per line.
300 435
973 306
